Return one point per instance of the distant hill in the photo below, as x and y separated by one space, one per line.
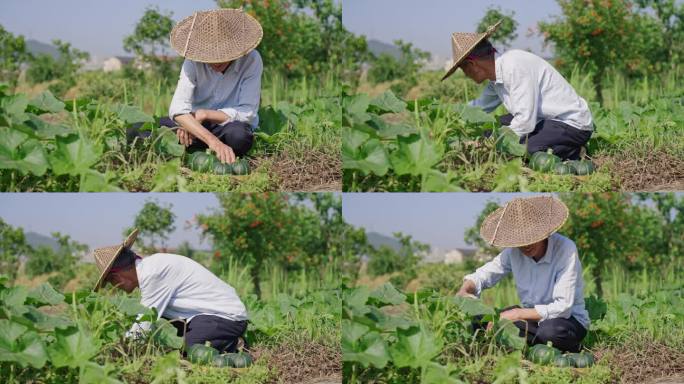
378 47
36 48
376 240
35 240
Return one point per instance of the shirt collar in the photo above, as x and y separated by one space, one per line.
549 252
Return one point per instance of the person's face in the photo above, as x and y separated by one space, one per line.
535 250
126 280
474 70
220 67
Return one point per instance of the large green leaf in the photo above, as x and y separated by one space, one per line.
386 294
362 153
415 347
354 301
74 155
387 322
46 102
44 294
18 151
508 142
13 109
390 131
437 373
508 334
436 181
386 103
509 177
130 114
93 373
354 109
129 306
167 143
415 155
474 114
45 322
168 178
361 346
94 181
271 120
166 335
72 347
473 307
20 345
46 130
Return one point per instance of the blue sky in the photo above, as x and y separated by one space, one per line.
428 24
439 219
98 27
98 219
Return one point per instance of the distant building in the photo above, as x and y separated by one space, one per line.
116 63
453 256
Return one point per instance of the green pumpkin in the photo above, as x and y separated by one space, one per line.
582 359
562 169
223 360
543 354
222 169
241 360
543 161
240 167
200 161
563 361
202 353
582 167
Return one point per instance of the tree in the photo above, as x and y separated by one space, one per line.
60 262
505 33
150 41
386 260
12 246
595 34
63 69
670 20
472 234
155 223
13 54
256 228
303 37
386 67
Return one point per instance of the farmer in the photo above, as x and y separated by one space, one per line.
544 109
546 269
203 306
217 97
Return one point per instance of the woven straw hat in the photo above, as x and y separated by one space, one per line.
216 36
105 257
463 43
524 221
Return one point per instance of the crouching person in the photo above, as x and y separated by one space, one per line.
179 288
546 269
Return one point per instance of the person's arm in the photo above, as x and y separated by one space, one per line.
488 100
564 288
249 93
487 275
191 125
523 91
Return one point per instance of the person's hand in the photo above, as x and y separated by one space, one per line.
184 137
224 153
490 325
512 314
464 293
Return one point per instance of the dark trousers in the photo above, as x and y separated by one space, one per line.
236 134
564 140
564 334
223 334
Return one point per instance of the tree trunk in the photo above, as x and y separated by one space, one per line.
598 79
256 280
598 281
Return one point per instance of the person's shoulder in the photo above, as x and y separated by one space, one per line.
563 244
252 58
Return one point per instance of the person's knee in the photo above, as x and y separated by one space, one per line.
238 136
552 331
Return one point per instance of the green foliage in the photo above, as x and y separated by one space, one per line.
303 36
13 53
386 260
596 35
155 223
506 32
60 262
62 70
150 41
12 246
472 234
386 67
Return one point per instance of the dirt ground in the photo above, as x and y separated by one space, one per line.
309 362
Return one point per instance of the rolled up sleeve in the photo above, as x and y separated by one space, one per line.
488 100
181 103
524 95
249 94
489 274
564 289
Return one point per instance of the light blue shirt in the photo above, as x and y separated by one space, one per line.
553 286
532 90
236 92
